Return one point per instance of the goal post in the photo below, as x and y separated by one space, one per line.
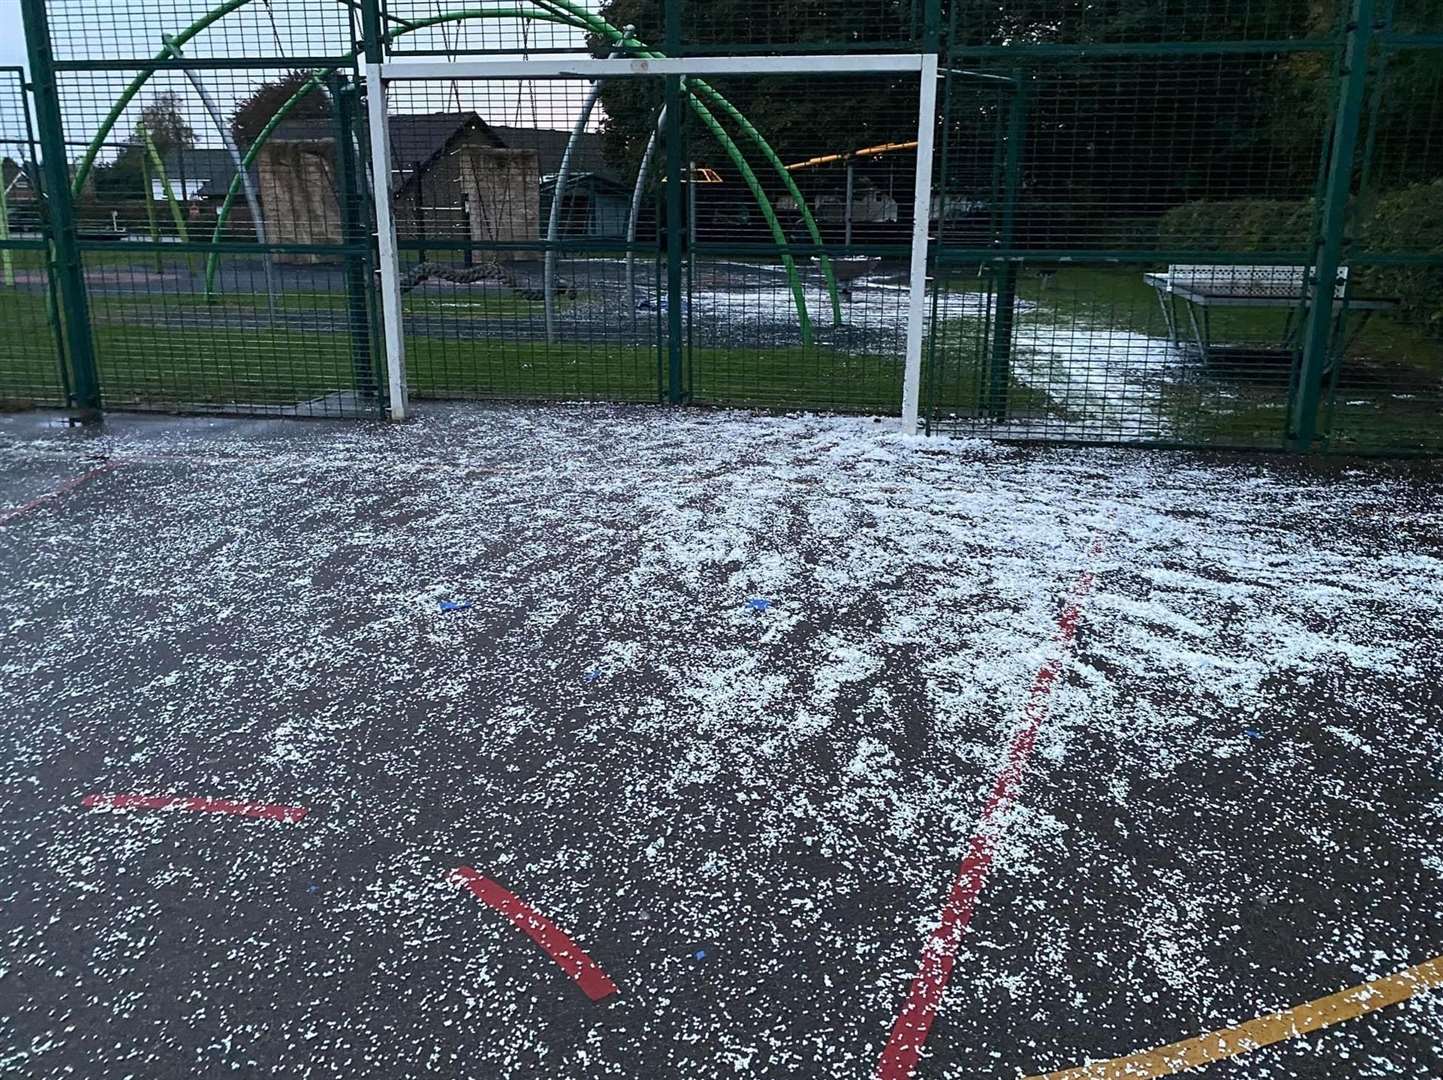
389 255
380 75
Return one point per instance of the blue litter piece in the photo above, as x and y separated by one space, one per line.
758 604
700 954
313 888
1253 733
455 605
592 675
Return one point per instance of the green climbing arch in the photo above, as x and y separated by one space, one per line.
564 12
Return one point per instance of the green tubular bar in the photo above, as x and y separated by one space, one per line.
77 185
159 166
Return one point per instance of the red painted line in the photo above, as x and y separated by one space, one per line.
594 982
70 485
264 811
909 1033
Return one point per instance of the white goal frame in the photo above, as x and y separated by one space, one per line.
379 75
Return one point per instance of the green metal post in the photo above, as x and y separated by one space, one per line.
675 301
1378 92
37 185
353 232
1328 244
373 35
7 257
1000 368
933 379
418 205
365 213
52 291
85 381
674 252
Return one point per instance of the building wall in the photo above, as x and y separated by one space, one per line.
609 214
434 204
503 195
471 191
298 195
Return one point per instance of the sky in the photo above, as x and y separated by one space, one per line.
283 28
12 35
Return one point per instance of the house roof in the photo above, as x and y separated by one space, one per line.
14 176
423 137
215 167
585 181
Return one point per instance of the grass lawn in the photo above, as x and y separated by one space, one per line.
29 367
1387 395
149 357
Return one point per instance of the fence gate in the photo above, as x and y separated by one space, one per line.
1204 230
212 238
722 274
1203 224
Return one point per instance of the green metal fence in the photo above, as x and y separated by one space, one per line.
32 368
1157 199
176 290
1194 223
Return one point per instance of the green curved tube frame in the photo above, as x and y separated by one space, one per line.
77 185
601 26
567 15
311 84
571 19
223 216
755 187
776 162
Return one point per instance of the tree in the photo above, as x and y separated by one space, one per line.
798 117
162 119
254 111
1101 132
166 124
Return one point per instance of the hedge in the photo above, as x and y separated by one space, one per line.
1409 220
1238 225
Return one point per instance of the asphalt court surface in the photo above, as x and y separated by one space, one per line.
726 707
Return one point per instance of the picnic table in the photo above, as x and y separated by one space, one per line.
1195 290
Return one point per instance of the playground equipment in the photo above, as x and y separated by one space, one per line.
563 173
700 97
242 173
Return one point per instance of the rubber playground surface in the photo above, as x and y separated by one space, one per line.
590 741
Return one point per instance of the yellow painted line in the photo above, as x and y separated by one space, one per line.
1265 1030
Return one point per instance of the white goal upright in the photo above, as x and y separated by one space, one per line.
379 75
